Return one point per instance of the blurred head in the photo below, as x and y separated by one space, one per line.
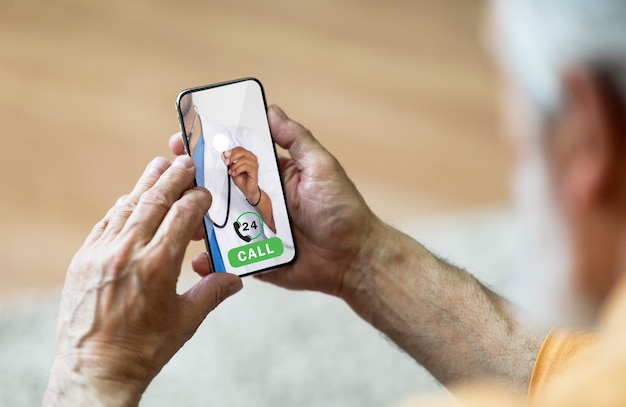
563 66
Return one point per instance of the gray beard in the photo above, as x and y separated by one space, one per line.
542 283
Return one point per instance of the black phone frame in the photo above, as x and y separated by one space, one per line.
280 176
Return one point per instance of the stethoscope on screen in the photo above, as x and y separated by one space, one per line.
221 143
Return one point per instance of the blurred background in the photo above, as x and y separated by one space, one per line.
402 92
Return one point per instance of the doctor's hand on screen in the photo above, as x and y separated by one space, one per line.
120 318
332 224
243 167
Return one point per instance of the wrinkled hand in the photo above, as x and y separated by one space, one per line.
120 318
331 221
243 167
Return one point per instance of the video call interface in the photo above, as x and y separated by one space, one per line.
227 135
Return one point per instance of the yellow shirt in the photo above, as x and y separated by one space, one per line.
561 351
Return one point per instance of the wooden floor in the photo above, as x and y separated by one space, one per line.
399 91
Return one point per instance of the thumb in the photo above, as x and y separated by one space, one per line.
207 294
291 135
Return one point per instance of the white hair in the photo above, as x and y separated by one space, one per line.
538 39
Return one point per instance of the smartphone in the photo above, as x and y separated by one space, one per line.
226 132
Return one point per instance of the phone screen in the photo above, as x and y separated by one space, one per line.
226 132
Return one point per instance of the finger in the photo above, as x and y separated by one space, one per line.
155 203
205 295
202 265
199 233
232 156
181 222
176 144
282 160
124 208
100 227
239 153
282 278
241 167
290 134
287 167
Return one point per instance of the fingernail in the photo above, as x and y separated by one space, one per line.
183 161
279 112
234 288
157 166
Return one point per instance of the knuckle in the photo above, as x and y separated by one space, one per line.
299 129
101 225
187 207
157 198
118 260
219 294
126 207
146 184
178 175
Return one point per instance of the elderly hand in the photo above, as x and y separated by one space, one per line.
120 318
331 221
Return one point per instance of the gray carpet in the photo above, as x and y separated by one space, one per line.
268 346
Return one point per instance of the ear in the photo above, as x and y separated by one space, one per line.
591 146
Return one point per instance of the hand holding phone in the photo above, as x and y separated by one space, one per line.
226 132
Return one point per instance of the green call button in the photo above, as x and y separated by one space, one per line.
255 252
